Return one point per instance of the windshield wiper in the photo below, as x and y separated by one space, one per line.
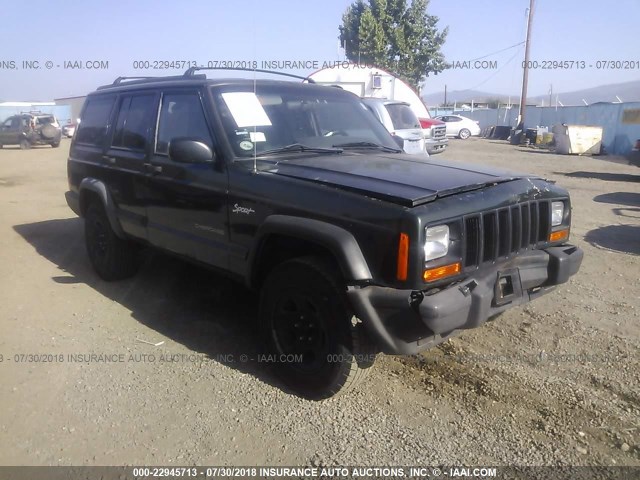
368 145
299 147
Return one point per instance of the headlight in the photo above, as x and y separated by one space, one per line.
557 213
437 243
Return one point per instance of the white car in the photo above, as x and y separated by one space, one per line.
400 120
68 130
459 126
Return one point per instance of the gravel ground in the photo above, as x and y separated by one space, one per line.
555 382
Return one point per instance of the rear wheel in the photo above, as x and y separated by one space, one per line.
25 144
464 134
112 257
310 331
55 144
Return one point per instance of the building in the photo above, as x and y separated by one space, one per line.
74 103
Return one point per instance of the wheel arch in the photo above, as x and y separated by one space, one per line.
92 189
282 237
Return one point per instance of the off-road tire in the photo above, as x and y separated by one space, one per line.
112 257
306 297
55 144
25 144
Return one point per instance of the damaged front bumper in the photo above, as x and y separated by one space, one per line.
408 321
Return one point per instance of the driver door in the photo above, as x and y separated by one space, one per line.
187 202
10 133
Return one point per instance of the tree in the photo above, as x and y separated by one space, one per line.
390 35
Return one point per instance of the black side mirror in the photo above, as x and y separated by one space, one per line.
399 141
190 150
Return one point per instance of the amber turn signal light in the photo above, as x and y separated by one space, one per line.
403 257
438 273
559 235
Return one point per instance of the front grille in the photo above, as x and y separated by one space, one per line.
439 132
506 231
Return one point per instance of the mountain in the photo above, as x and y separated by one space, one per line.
628 92
465 96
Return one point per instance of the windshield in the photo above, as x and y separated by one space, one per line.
279 116
402 116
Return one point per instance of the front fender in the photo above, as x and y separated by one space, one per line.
98 188
337 240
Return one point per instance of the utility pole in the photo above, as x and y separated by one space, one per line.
525 75
445 95
550 94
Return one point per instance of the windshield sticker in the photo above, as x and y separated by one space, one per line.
246 145
257 137
246 109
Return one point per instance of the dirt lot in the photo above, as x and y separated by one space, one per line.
555 382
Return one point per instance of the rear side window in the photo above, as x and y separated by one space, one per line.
181 115
95 118
402 116
134 121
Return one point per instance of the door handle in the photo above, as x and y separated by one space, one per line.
153 168
108 159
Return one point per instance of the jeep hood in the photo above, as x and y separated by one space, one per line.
397 178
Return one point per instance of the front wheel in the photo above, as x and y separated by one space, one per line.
310 331
113 258
464 134
25 144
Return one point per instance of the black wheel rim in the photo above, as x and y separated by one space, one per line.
97 238
300 331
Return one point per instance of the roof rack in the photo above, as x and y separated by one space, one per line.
191 72
141 80
119 80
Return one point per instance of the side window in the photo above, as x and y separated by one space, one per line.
134 120
95 118
181 115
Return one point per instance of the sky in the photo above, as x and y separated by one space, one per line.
118 35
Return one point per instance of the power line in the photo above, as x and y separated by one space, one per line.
495 53
494 73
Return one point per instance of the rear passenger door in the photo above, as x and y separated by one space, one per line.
187 204
127 156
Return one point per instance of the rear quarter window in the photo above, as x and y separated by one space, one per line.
92 129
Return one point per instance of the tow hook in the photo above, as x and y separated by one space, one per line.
468 288
415 299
